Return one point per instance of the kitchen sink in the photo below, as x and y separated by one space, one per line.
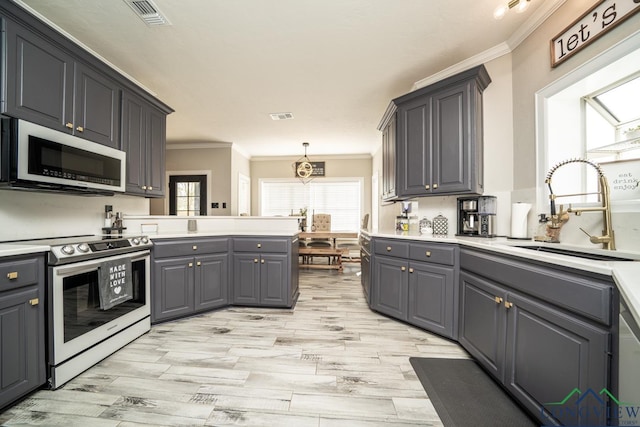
586 255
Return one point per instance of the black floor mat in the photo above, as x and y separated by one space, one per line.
464 395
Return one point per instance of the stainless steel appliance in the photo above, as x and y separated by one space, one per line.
80 333
34 157
476 216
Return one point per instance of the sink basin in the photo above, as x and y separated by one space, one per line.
586 255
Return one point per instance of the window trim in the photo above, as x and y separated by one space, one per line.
174 179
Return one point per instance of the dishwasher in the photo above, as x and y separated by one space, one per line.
629 369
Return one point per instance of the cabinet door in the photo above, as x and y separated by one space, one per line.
451 139
389 160
156 144
274 280
390 287
97 108
39 80
173 288
21 344
133 142
483 322
246 279
414 148
211 281
431 298
549 355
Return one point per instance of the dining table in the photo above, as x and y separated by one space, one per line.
331 235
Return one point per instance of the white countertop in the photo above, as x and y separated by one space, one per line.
10 249
624 273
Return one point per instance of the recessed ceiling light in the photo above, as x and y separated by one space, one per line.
281 116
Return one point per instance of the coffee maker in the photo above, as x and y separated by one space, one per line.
476 216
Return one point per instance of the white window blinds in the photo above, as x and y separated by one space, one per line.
341 198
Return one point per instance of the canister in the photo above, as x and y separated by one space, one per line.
440 226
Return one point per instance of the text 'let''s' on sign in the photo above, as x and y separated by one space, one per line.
602 17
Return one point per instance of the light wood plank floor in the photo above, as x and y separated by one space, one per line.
329 362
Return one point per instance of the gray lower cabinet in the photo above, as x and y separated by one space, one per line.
365 265
189 276
538 348
264 272
144 140
416 283
22 334
48 86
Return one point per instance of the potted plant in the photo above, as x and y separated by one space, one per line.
303 221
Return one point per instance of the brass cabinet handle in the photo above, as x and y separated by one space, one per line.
427 187
259 245
403 268
435 186
411 270
149 188
144 187
34 301
195 247
508 304
12 275
498 300
428 253
190 264
388 248
198 263
80 129
255 260
262 261
69 125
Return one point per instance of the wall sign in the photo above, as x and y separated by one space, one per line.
318 168
624 179
602 17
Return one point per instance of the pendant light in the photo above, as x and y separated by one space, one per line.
303 167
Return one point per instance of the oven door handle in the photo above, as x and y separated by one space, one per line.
94 264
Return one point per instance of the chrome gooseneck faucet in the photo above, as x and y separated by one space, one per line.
607 239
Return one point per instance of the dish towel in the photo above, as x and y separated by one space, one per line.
114 283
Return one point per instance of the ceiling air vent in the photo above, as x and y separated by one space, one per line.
148 12
281 116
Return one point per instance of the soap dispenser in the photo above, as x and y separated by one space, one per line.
541 233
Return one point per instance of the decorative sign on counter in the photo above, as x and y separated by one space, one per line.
602 17
623 178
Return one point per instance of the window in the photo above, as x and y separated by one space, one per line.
341 198
188 195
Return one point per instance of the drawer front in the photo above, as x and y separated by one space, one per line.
18 272
440 254
183 247
365 244
390 247
261 245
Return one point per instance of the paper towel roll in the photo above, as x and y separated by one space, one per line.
519 212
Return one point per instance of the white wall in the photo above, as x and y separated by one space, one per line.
29 215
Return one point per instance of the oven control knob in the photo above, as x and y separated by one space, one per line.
145 239
67 250
83 247
135 241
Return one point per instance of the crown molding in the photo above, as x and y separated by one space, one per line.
537 18
197 145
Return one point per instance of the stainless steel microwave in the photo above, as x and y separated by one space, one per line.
34 157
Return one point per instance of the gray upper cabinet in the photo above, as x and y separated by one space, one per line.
144 140
48 86
437 146
388 128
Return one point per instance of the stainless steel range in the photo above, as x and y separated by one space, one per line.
85 325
